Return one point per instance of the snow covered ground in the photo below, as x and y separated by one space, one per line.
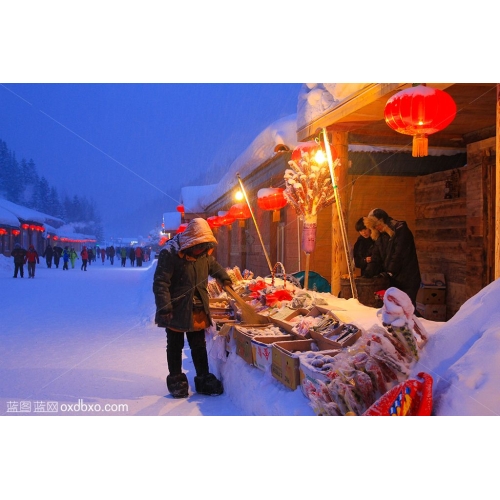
87 342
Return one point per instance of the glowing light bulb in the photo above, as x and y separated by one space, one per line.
320 157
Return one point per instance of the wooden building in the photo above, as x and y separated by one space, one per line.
449 198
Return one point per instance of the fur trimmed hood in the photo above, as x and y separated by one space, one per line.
371 222
198 231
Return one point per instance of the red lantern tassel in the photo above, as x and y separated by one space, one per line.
276 216
420 145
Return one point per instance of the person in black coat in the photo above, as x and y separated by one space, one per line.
48 253
394 253
19 255
57 251
362 250
182 304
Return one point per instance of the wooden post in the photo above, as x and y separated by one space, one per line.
497 193
339 262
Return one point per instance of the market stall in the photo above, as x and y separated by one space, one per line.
308 344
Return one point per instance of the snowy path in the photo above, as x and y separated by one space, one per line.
87 339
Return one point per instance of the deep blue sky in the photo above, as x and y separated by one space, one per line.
126 144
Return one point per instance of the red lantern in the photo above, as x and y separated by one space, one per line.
180 209
2 231
225 218
182 228
240 212
312 151
16 232
420 111
214 221
25 226
272 199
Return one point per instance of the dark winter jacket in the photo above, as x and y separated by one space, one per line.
177 278
362 249
394 252
19 255
48 253
57 253
131 254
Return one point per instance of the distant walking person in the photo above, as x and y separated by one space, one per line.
57 251
73 256
123 253
19 255
103 255
85 257
66 256
48 254
138 256
91 255
131 256
32 259
112 253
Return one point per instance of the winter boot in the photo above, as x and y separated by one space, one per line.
178 385
208 385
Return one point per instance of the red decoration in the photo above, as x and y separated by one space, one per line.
25 226
272 199
311 148
180 208
2 231
225 218
214 221
16 232
182 228
420 111
240 212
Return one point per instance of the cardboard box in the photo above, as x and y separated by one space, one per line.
262 350
431 295
310 375
243 344
434 280
285 363
283 318
433 312
327 342
243 340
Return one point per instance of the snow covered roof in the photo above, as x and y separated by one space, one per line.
66 231
315 99
282 131
28 213
7 218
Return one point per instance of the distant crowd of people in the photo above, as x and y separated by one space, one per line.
55 254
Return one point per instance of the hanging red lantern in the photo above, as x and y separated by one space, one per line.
240 212
420 111
225 218
272 199
313 151
214 221
16 232
25 226
181 228
180 209
2 231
